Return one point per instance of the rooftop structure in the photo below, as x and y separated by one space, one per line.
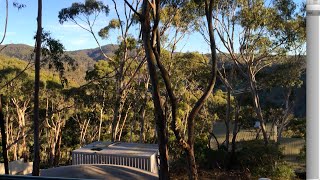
137 155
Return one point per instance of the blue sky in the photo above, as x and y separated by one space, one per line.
22 26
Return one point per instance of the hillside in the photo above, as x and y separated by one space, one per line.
84 59
23 51
95 53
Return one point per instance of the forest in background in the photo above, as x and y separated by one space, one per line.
143 90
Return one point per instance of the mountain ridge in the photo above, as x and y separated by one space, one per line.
24 51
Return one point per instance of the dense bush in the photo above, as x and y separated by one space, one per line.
296 128
208 158
264 161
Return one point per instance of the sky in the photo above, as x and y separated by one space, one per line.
22 26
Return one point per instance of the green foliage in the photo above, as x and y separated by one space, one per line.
77 9
296 128
303 154
101 69
53 55
113 24
285 74
263 161
283 171
179 14
206 157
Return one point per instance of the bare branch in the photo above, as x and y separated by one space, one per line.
133 9
6 23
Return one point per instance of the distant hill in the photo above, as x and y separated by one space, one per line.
20 51
23 51
85 59
95 53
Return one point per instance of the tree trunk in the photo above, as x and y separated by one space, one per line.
123 123
4 139
193 174
227 121
141 115
58 151
119 101
256 103
236 129
100 124
215 138
36 162
52 153
101 115
279 137
24 146
83 140
158 109
115 118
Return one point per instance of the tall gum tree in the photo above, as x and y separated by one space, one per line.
88 13
256 34
151 36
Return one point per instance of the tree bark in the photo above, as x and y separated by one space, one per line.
115 118
4 139
235 131
36 162
159 114
193 173
256 103
58 151
100 124
227 121
142 113
101 115
123 123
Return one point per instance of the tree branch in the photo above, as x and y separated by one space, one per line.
6 24
132 8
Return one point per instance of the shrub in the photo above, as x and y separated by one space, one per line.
283 171
264 161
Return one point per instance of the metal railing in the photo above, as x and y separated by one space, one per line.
14 177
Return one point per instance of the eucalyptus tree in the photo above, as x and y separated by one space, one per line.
19 104
2 121
88 13
151 36
255 34
100 88
287 78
